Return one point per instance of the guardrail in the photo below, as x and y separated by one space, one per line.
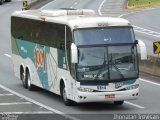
150 66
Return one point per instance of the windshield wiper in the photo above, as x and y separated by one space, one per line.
102 66
115 66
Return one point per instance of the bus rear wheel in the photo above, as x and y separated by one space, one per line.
118 102
22 76
8 0
1 2
64 96
29 84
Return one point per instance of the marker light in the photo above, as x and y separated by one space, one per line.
132 87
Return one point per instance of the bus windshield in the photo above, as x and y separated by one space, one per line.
110 35
107 63
97 61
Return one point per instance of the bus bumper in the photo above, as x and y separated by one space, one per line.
107 96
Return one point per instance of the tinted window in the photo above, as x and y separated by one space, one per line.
104 36
45 33
21 28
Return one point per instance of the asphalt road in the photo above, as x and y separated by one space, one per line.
43 101
147 26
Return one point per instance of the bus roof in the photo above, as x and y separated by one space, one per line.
73 18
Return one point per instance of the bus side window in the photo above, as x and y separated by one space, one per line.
52 33
21 28
62 45
35 31
61 39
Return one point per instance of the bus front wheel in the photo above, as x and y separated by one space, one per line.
64 96
118 102
1 2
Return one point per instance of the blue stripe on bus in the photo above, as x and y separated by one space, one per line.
127 82
92 83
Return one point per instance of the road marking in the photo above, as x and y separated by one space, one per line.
7 55
99 9
47 4
135 105
120 16
19 113
142 30
39 104
154 83
6 95
16 103
146 31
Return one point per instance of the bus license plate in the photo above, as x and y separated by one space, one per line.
109 96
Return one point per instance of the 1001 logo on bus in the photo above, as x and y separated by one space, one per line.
39 56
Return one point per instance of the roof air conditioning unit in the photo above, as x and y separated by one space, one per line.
61 12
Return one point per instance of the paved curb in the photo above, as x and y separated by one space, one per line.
143 5
150 66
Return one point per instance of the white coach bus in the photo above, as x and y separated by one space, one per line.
76 54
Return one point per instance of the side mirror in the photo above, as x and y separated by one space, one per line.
143 49
74 53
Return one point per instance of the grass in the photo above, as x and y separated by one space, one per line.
141 2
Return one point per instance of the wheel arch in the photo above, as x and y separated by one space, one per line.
28 69
21 69
63 82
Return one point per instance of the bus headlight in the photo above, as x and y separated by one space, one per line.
85 89
132 87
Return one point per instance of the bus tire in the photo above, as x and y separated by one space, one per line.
22 77
118 102
8 0
28 79
64 96
1 2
